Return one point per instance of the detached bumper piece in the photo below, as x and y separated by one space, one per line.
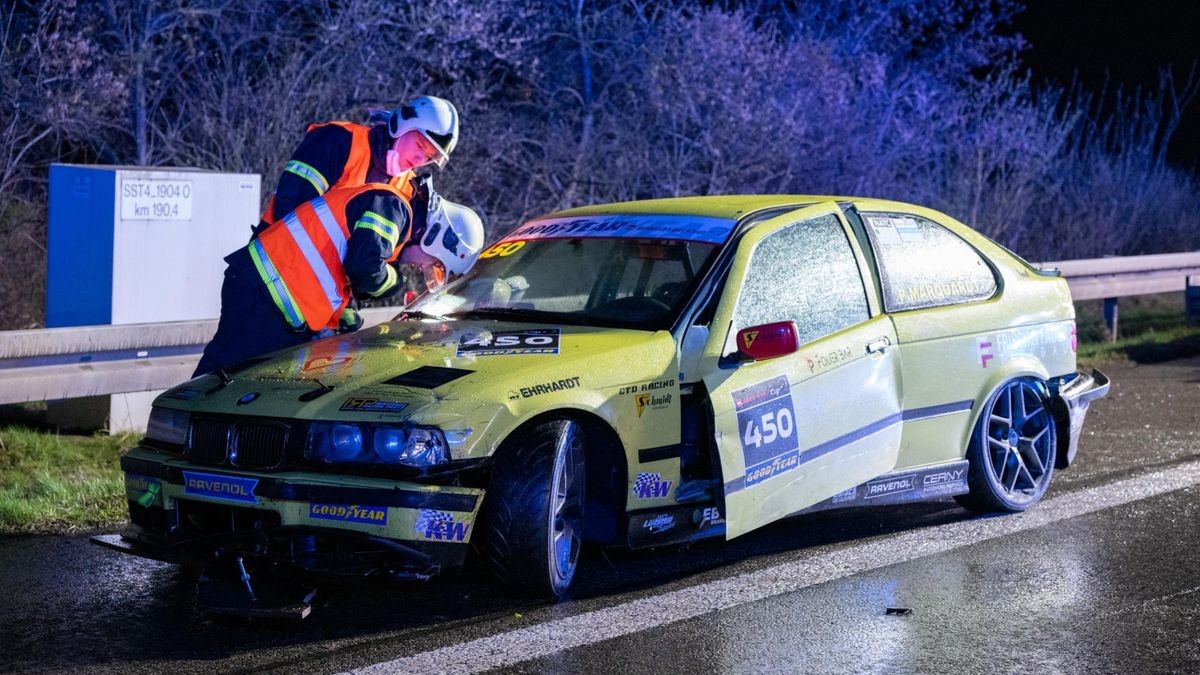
1072 396
227 588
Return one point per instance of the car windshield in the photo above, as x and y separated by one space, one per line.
611 271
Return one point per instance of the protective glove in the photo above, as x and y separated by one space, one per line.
349 321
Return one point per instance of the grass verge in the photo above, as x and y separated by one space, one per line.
52 482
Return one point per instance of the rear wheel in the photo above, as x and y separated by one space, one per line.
534 509
1012 451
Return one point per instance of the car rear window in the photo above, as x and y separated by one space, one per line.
922 264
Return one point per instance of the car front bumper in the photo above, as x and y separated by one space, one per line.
184 512
1072 396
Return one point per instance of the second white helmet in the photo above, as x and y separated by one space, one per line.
454 235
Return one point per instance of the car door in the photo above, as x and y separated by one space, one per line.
800 427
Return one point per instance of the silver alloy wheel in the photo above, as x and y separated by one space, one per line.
1020 443
565 510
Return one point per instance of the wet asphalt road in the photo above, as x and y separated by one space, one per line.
1114 590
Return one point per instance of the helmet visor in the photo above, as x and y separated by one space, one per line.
436 151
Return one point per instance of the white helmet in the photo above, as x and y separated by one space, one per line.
453 235
435 118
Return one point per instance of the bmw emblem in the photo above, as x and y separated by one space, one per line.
247 398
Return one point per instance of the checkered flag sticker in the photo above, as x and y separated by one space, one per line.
431 522
650 485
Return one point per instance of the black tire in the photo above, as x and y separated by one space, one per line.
1012 450
533 521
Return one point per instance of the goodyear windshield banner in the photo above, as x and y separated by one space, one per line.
687 228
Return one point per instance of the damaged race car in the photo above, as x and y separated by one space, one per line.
636 374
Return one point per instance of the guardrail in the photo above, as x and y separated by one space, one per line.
55 363
1109 279
58 363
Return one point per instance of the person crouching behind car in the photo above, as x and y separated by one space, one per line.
295 281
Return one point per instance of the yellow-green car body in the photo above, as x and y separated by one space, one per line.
892 338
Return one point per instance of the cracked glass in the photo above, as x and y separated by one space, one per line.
805 273
922 264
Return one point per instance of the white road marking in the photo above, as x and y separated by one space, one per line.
551 637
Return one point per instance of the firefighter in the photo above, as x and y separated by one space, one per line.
338 154
295 281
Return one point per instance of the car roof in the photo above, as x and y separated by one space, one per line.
731 207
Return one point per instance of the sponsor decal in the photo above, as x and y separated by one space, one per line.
950 480
440 526
248 398
846 495
688 228
660 523
646 386
181 394
532 341
142 488
829 360
652 401
651 486
1041 342
767 429
138 482
546 388
890 485
225 488
371 404
749 337
985 351
349 513
324 365
709 516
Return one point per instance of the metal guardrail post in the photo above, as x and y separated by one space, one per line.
1110 317
1192 298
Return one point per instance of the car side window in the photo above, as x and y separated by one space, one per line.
922 264
806 273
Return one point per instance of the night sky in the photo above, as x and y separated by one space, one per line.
1126 41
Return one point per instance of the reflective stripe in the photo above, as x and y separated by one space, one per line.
332 228
279 291
384 227
309 174
315 261
388 283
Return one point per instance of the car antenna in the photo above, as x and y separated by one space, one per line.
226 380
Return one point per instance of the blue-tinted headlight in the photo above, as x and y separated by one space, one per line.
347 443
336 443
389 443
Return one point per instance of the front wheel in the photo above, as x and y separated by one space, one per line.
1012 451
534 509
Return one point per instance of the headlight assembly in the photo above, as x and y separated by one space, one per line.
168 426
348 443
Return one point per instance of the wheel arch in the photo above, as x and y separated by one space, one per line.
1011 370
606 470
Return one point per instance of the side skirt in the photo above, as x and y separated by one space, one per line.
691 522
902 487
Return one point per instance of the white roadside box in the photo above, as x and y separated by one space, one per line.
139 245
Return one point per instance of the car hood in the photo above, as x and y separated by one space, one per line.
399 370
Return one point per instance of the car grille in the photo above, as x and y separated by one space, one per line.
251 445
209 442
258 446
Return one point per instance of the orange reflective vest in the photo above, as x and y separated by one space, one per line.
300 256
354 173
